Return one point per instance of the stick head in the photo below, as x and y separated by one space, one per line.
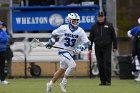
36 43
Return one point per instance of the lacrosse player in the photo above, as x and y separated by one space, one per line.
71 37
131 33
134 33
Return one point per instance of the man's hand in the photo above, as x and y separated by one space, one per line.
114 50
90 51
50 43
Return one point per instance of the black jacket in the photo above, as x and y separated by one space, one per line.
103 35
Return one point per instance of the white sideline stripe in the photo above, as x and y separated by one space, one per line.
32 35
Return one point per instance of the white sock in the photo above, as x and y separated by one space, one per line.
139 76
64 80
51 83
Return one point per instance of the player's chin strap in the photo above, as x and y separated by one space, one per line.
72 27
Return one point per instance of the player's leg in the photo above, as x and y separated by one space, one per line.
9 64
138 78
2 66
71 65
57 74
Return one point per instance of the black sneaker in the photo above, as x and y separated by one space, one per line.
102 84
108 84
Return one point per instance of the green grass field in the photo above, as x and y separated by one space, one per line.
75 85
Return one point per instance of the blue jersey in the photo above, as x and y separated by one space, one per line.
70 39
135 30
3 40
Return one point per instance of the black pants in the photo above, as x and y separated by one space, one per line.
2 66
9 55
103 55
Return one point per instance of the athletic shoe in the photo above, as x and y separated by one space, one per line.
49 87
4 82
137 79
63 87
102 84
108 84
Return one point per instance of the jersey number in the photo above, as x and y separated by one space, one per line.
69 42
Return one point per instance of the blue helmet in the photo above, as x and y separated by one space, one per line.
74 19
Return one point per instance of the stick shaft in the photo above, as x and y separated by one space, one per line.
43 45
62 48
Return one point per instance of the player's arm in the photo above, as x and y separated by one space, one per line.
82 47
131 33
86 42
3 37
51 41
55 34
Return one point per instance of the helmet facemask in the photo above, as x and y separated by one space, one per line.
74 22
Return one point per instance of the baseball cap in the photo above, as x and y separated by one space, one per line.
2 23
101 14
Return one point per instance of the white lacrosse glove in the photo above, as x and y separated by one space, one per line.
79 49
50 43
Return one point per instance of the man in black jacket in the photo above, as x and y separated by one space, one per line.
103 35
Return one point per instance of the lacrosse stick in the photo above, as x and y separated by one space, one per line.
36 43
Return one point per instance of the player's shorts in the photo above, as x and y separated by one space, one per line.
66 60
